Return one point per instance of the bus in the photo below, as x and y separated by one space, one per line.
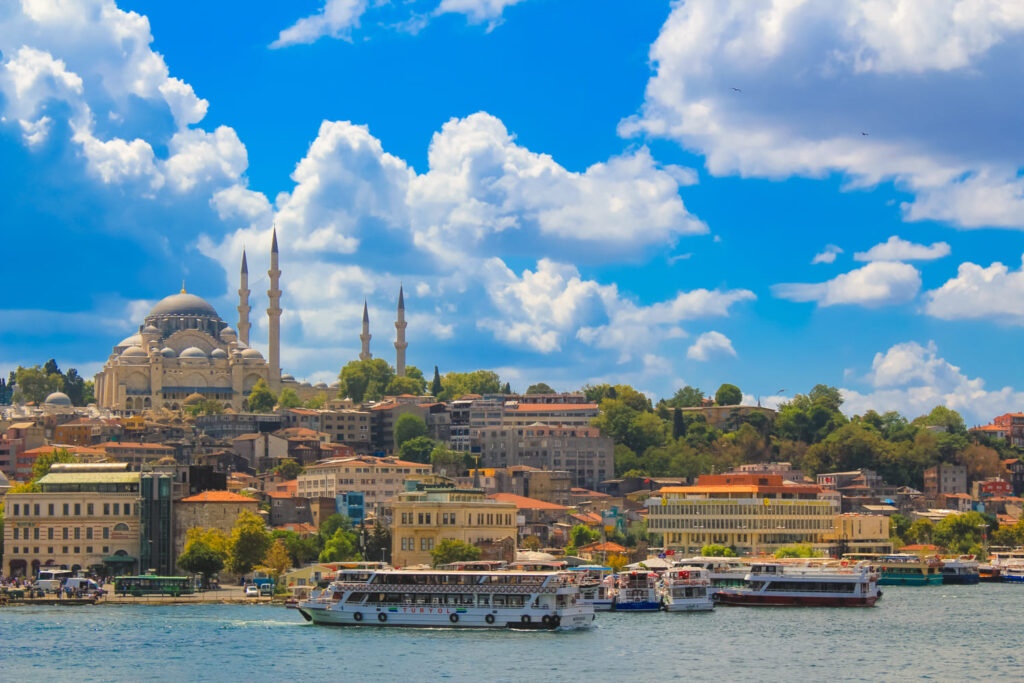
51 580
154 585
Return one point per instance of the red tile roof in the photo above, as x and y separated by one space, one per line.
133 444
606 547
524 503
553 407
218 497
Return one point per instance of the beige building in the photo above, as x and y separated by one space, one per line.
853 533
350 427
580 450
423 518
83 517
752 513
378 479
730 418
209 510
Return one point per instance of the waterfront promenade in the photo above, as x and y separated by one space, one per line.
222 596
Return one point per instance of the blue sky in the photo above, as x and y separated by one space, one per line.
653 193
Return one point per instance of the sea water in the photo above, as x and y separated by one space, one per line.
937 632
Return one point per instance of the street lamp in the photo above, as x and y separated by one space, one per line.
984 538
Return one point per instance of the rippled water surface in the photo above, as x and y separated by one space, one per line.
941 633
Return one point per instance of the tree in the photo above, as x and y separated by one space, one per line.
34 385
447 462
532 543
288 399
417 449
850 447
43 463
289 469
728 395
797 550
88 395
898 527
199 558
581 535
941 416
921 531
358 377
378 543
74 387
409 426
626 425
959 533
405 385
261 398
205 406
435 385
812 417
276 562
715 550
623 392
300 550
317 402
687 397
453 550
539 388
477 382
506 389
332 524
340 547
678 426
982 462
250 541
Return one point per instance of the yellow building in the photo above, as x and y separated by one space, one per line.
752 513
422 518
852 533
378 479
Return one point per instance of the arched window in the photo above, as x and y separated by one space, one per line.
120 526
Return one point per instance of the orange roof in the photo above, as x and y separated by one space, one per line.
920 546
291 486
74 450
606 547
278 494
218 497
524 503
587 518
554 407
298 527
133 444
303 411
576 491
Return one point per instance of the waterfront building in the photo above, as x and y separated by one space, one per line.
209 510
83 517
854 533
534 517
379 479
751 513
431 513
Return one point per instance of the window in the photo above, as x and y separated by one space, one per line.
78 533
35 509
117 508
128 509
64 550
65 530
67 509
49 551
78 509
106 532
88 548
88 533
88 508
49 535
35 534
16 533
106 549
49 509
17 508
78 549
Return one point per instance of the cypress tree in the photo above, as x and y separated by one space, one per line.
435 387
678 428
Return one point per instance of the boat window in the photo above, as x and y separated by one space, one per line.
483 600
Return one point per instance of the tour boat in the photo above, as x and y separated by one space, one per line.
773 585
989 573
637 591
452 599
597 586
909 570
724 572
686 589
1013 572
963 569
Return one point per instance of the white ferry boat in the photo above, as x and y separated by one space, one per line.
724 572
963 569
453 599
637 591
686 589
773 585
597 587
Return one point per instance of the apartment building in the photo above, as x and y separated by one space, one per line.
580 450
378 479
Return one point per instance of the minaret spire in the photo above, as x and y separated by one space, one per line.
365 336
243 303
274 316
400 343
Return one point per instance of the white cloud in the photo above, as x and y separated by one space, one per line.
710 345
913 379
871 90
335 19
828 255
896 249
476 11
880 283
976 292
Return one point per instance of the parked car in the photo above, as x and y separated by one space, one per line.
252 591
267 589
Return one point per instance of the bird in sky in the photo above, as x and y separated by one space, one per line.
736 90
863 133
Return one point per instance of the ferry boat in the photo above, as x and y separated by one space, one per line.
989 573
451 599
1004 565
773 585
962 570
1013 572
597 587
724 572
686 589
909 570
637 591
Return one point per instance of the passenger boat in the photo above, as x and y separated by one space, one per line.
1013 572
724 572
773 585
637 591
452 599
686 589
989 573
597 587
909 570
963 570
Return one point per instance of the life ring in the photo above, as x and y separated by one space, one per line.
489 618
546 619
556 620
525 619
454 618
358 616
684 575
382 617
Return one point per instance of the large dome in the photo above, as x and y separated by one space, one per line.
58 398
183 304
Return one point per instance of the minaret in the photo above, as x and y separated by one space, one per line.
243 303
365 336
400 344
274 315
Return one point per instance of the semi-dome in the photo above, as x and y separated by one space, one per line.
134 352
287 378
218 353
228 334
150 329
251 353
58 398
133 340
193 352
168 352
183 304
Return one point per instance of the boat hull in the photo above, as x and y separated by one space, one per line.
441 617
1013 578
694 606
745 599
646 606
910 580
961 579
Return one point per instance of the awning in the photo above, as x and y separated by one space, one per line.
118 558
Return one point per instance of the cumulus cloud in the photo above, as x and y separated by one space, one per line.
710 345
880 283
896 249
477 11
913 378
828 255
874 91
335 19
995 293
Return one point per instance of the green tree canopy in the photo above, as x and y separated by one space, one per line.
288 468
261 398
447 462
409 426
477 382
728 395
960 533
626 425
200 558
35 384
941 416
687 397
581 535
539 388
340 547
715 550
378 543
453 550
363 380
330 525
250 541
622 392
300 550
288 399
435 385
417 449
405 385
317 402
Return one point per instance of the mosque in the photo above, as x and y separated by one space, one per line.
184 348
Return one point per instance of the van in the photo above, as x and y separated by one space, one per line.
267 589
50 580
81 585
